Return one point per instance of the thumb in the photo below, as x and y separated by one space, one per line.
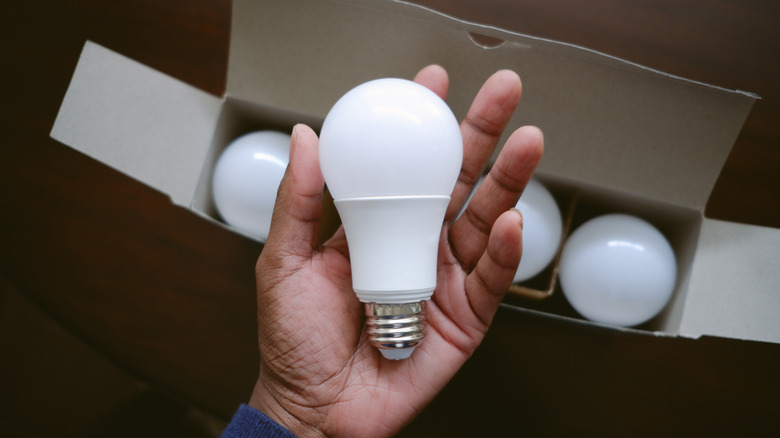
298 208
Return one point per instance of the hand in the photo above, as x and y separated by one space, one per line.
319 375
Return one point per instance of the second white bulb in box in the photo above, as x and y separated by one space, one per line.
246 179
617 269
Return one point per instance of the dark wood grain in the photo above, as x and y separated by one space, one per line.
171 297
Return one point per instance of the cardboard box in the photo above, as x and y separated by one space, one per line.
624 137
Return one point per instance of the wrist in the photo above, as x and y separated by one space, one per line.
278 408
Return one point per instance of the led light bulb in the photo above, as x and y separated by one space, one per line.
246 179
617 269
542 230
390 153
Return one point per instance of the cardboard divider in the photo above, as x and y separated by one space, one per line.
679 225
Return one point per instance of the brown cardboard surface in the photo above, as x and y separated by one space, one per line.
137 120
606 122
609 125
735 283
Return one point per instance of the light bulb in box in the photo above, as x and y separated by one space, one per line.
390 153
542 229
617 269
246 178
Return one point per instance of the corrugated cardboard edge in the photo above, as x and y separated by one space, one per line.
734 289
137 120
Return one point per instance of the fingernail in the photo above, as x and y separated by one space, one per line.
520 214
293 137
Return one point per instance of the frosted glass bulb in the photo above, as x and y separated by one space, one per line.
617 269
390 153
542 230
246 179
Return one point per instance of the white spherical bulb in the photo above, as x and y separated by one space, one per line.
542 229
246 179
617 269
390 137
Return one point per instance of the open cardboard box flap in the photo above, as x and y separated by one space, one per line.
607 123
139 121
735 283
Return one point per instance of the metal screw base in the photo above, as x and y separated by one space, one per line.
395 326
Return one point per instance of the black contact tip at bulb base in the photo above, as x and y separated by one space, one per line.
395 329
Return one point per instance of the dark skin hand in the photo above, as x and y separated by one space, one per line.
319 375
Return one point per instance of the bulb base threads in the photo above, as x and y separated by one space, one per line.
395 328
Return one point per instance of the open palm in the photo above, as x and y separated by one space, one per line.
319 374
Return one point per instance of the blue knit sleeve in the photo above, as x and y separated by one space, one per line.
248 422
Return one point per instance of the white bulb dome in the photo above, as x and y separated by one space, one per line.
246 179
617 269
390 137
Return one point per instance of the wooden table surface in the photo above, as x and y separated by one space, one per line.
171 297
